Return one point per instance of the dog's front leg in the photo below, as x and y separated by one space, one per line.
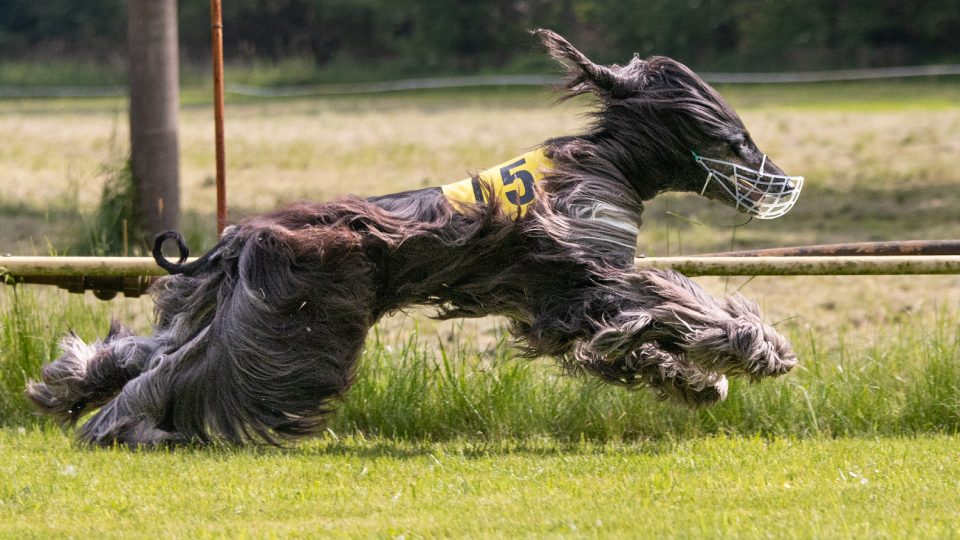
671 375
666 308
658 328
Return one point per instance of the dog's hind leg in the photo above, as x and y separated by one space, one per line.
140 414
268 367
231 387
88 375
134 417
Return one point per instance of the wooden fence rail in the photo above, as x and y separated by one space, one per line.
107 276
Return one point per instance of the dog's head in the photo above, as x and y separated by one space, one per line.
671 131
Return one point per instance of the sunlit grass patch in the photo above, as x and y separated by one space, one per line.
383 487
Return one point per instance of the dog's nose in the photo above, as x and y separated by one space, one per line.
771 168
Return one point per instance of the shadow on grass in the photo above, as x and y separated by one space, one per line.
398 449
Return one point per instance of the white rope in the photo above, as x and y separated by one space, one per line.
935 70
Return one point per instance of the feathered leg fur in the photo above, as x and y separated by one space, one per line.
659 329
87 376
253 348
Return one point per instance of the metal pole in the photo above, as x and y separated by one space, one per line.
902 247
867 265
216 17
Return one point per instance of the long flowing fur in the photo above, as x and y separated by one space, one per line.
256 340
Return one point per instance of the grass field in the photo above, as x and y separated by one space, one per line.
445 433
701 488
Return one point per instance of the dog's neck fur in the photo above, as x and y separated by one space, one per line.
590 204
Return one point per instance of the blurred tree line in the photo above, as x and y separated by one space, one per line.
418 37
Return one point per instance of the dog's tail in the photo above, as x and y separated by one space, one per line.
181 266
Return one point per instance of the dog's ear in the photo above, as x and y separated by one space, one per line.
583 75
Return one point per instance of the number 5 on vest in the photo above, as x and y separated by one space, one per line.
517 194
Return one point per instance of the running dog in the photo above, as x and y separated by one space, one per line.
256 340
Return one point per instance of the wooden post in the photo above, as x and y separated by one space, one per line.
216 29
107 276
154 105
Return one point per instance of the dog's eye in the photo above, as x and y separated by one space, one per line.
741 144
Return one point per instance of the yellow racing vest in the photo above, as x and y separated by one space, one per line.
510 182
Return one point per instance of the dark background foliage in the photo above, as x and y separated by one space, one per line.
419 37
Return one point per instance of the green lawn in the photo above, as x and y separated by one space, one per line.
704 487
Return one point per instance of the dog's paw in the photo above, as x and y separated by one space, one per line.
711 391
743 346
765 353
114 425
715 393
45 399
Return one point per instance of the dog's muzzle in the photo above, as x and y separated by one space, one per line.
760 194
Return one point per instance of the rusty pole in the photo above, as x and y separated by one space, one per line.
854 249
216 29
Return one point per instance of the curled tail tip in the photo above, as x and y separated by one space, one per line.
162 261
